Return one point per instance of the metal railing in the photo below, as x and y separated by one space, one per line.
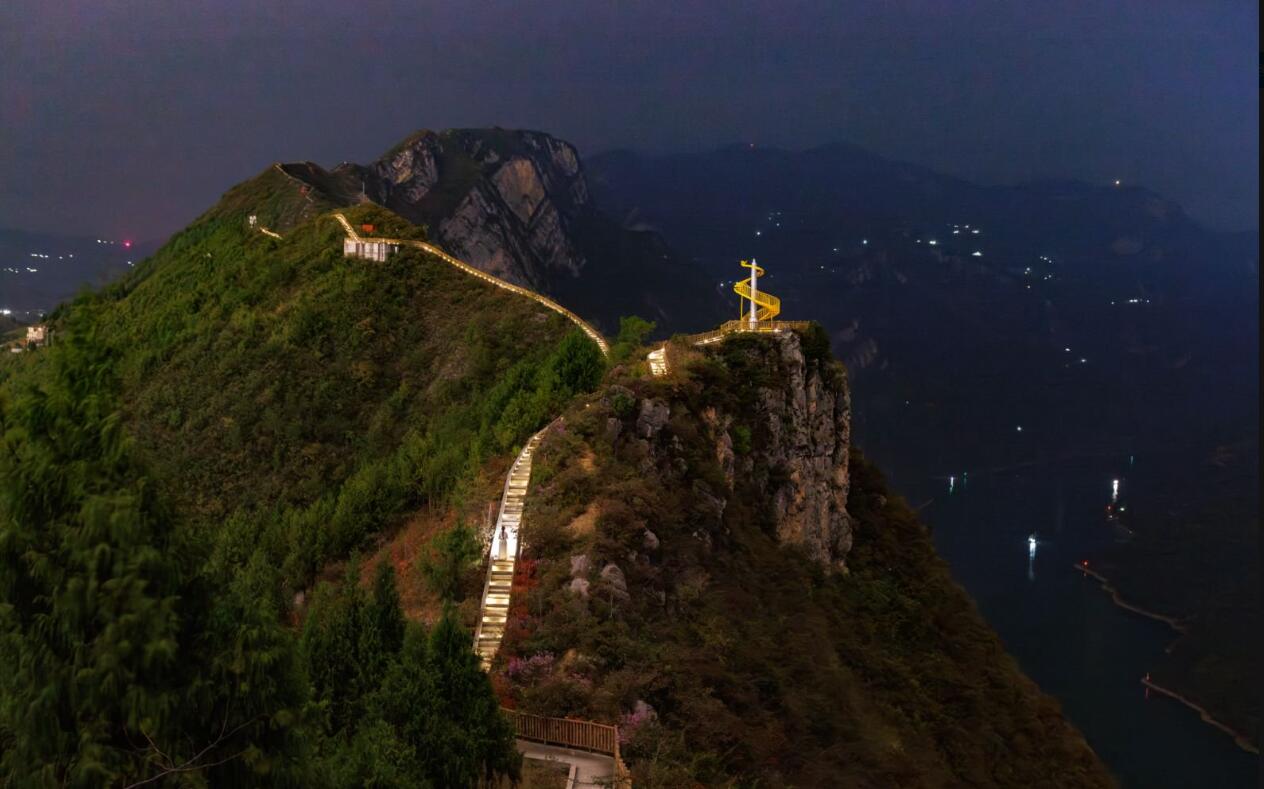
592 333
744 326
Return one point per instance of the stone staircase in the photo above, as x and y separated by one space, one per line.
502 554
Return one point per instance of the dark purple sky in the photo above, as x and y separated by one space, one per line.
130 117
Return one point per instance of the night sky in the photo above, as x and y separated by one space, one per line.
128 118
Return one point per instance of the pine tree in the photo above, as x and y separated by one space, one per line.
451 556
438 699
119 665
384 621
89 582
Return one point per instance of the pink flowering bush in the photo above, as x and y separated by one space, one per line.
531 669
630 723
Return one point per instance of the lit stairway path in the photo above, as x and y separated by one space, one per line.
502 553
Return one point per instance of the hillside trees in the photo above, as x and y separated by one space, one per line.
451 556
117 661
633 330
437 699
408 709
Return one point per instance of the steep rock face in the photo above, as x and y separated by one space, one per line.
799 441
808 419
786 442
504 201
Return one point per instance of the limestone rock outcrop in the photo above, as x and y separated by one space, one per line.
808 423
504 201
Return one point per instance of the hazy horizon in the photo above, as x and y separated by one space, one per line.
131 119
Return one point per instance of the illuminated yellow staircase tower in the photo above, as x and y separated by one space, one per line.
763 306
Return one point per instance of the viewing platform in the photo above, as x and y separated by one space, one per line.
763 309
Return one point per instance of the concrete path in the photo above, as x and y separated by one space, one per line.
587 769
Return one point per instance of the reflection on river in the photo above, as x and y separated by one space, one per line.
1064 631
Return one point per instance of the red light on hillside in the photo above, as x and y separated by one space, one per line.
1085 562
127 244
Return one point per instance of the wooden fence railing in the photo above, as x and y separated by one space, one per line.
581 735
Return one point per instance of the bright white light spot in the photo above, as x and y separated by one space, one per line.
1031 545
975 231
1117 182
759 233
1020 428
864 241
976 253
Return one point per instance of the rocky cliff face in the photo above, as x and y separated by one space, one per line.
783 444
800 441
504 201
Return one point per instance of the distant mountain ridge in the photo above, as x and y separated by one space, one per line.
928 281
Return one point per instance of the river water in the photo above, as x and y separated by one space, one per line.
1065 632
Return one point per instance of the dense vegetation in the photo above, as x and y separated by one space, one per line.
727 656
209 433
242 414
297 401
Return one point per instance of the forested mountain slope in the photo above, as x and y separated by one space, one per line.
207 434
711 562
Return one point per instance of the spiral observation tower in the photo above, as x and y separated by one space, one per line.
763 306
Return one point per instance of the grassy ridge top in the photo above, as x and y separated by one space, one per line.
290 398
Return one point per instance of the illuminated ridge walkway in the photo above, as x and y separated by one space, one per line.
371 249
